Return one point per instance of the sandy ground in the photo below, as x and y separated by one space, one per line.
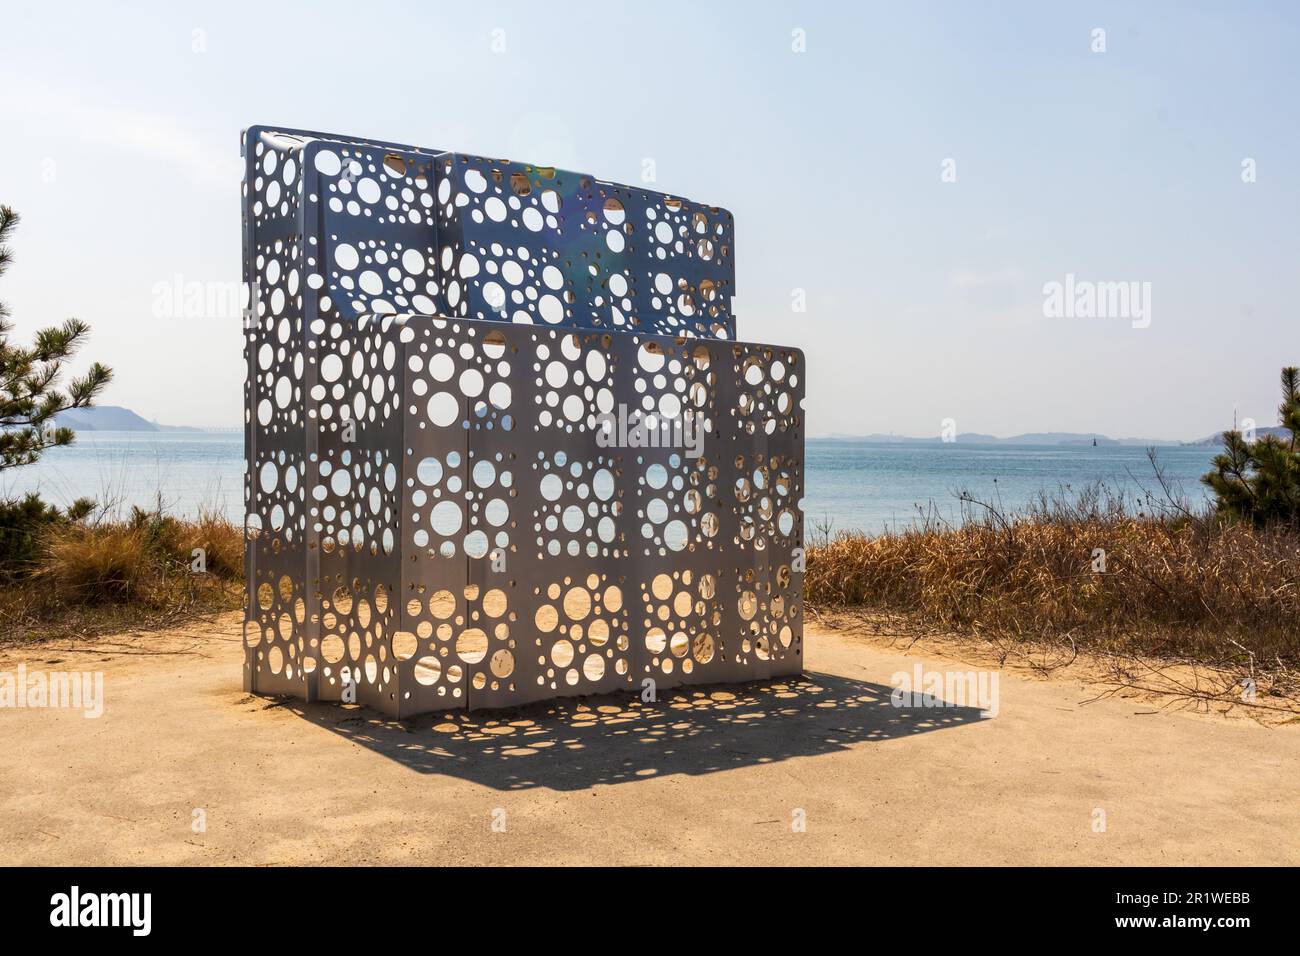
717 778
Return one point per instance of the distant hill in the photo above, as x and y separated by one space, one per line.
1028 438
1276 431
113 418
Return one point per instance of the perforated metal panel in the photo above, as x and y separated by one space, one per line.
443 508
508 241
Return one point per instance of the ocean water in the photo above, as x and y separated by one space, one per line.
187 471
875 486
850 485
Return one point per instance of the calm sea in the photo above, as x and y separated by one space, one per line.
853 485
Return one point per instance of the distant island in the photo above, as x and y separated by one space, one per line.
113 418
1028 438
1046 438
1277 431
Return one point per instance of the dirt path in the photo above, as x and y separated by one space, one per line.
693 779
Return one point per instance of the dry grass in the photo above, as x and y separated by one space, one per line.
123 574
1177 586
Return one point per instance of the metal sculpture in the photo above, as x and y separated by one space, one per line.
501 443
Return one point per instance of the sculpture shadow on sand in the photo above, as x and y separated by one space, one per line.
575 743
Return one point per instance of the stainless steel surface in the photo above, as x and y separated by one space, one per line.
437 517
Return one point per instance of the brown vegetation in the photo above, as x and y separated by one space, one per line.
95 576
1172 585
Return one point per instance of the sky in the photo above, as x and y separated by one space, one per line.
907 179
